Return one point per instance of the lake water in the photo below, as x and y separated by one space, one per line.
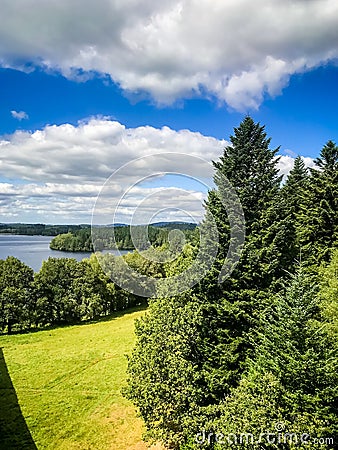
32 250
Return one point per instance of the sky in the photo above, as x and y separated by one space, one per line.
100 100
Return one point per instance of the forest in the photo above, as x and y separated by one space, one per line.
39 229
119 237
251 362
253 358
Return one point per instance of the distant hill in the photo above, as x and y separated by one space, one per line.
41 229
110 225
182 225
185 225
38 229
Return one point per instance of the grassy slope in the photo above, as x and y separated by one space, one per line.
68 383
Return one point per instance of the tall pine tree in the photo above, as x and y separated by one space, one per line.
191 350
292 379
280 249
231 310
318 217
251 167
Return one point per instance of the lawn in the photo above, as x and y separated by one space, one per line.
67 382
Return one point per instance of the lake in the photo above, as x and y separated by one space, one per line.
32 250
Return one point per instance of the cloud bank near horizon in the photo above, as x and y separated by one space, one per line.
55 174
236 51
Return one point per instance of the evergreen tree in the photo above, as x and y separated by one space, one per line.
251 167
277 242
328 295
218 318
318 219
328 159
232 309
295 185
292 379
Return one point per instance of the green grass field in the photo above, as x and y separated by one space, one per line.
68 384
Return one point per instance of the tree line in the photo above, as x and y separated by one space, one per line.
38 229
64 291
67 291
120 237
256 355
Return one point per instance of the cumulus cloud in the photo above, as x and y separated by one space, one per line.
75 203
236 50
60 170
19 115
63 168
93 150
285 163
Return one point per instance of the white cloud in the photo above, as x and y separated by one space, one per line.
19 115
60 171
285 163
74 203
236 50
93 150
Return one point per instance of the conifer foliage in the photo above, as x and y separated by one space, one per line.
258 349
318 217
251 167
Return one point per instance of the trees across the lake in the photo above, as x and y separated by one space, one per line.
119 237
38 229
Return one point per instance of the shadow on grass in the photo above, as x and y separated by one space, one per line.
14 433
100 319
115 315
108 318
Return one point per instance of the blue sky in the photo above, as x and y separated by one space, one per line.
302 118
84 90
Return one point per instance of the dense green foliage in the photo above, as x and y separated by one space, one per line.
329 295
16 294
63 291
79 241
293 370
318 218
258 351
68 291
119 237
